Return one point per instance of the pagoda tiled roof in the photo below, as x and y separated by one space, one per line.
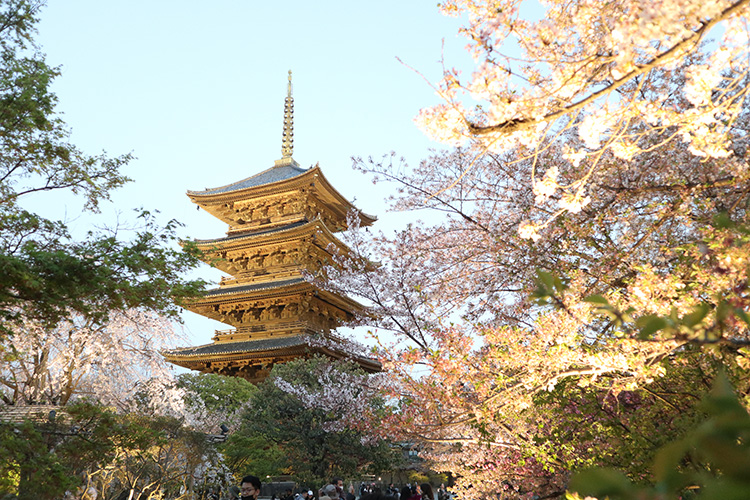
268 285
269 176
249 234
260 345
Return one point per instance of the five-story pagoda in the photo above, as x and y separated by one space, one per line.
281 224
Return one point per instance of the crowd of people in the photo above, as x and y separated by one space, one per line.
250 489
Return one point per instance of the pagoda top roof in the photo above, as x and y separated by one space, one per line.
280 178
269 176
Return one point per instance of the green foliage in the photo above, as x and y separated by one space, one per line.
42 460
28 467
279 431
587 424
712 461
216 399
45 281
35 154
44 274
247 452
217 395
548 288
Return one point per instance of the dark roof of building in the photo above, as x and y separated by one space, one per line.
273 174
241 347
254 233
35 413
268 344
253 287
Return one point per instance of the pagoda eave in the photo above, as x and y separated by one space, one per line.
214 201
251 359
283 234
294 286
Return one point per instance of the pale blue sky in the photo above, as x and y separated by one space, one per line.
195 90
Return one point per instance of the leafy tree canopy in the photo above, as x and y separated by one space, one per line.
44 274
215 399
117 454
303 440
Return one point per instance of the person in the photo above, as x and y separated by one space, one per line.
376 495
331 492
250 488
395 492
339 484
442 492
302 495
427 493
416 494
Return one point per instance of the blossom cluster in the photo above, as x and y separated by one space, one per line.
607 71
111 364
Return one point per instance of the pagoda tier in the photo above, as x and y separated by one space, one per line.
281 231
274 308
253 360
279 196
278 253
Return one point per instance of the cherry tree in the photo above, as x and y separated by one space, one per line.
481 375
79 358
627 77
594 242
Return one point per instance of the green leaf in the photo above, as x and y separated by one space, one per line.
602 483
699 313
723 221
596 299
649 325
740 313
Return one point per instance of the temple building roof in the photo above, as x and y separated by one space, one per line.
275 181
224 353
245 346
269 176
294 286
268 285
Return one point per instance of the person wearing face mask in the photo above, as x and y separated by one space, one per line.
250 488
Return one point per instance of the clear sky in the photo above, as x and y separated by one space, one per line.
195 90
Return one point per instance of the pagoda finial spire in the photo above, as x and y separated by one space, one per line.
287 144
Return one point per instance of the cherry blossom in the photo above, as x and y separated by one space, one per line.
110 364
629 76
